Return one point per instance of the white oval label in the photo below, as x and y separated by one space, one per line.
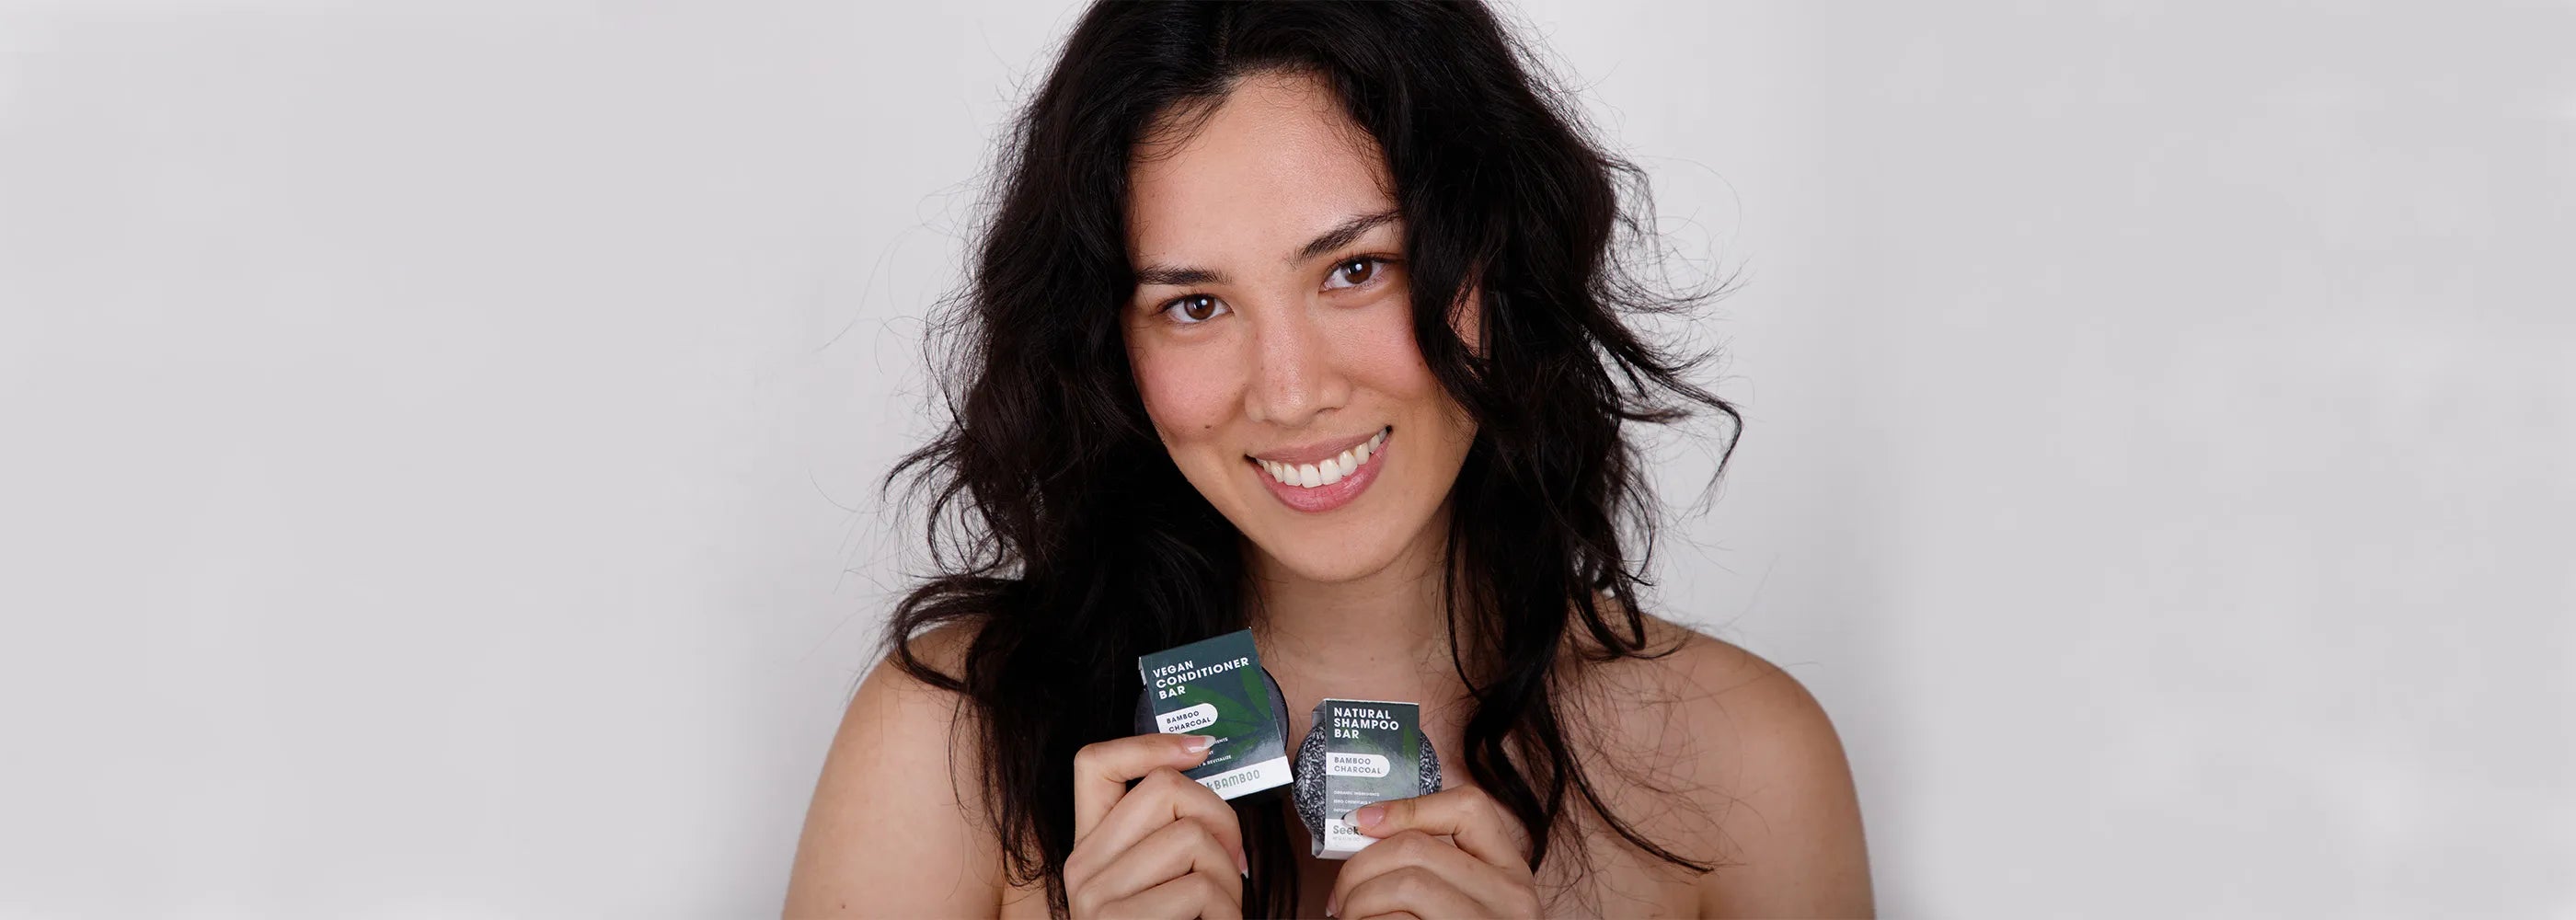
1354 765
1181 720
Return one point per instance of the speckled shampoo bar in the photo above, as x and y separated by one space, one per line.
1358 752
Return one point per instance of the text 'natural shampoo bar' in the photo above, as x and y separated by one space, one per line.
1358 752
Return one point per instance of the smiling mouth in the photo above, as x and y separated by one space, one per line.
1327 471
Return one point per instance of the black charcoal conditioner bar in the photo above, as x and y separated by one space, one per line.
1218 688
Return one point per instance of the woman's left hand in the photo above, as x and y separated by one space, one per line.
1481 869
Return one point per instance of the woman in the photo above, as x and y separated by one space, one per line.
1304 318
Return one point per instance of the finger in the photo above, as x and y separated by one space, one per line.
1419 851
1174 850
1197 894
1101 770
1163 796
1410 890
1465 814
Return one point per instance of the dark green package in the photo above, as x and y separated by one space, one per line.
1355 753
1217 688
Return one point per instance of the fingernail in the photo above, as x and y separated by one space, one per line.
1241 864
1200 743
1333 904
1368 816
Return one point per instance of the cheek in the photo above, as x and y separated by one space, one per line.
1379 351
1388 360
1190 393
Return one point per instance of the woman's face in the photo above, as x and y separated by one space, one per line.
1271 332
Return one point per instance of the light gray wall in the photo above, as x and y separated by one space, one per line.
440 437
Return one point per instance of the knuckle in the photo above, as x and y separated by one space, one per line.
1193 832
1408 882
1409 846
1214 891
1485 805
1198 790
1220 900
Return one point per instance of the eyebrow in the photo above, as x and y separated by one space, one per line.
1336 238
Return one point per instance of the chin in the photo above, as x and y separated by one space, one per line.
1339 551
1333 564
1333 569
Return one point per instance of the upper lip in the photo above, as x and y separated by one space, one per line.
1317 451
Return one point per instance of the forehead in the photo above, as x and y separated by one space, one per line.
1275 163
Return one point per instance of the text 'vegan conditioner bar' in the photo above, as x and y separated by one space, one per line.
1218 688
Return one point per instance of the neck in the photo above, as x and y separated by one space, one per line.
1388 621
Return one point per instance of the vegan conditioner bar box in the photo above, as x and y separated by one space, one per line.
1217 688
1373 750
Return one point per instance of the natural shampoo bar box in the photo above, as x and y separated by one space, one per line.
1373 751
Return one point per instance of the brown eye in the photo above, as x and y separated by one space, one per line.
1358 271
1195 308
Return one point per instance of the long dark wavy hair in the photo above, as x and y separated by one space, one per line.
1060 527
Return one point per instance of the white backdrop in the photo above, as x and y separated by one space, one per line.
440 437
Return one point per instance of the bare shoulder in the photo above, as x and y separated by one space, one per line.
1721 686
896 827
1758 763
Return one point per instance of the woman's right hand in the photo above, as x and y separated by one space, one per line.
1158 850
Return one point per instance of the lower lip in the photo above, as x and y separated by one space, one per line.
1326 498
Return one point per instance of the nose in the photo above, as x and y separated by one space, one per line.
1295 374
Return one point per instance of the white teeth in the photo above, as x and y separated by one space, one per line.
1325 472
